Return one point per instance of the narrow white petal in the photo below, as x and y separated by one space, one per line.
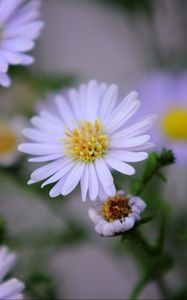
47 170
17 44
92 214
129 143
92 101
39 136
107 229
108 102
7 8
84 182
56 190
93 182
72 179
66 166
75 104
121 115
138 128
10 288
45 158
105 177
127 224
3 64
4 80
40 149
65 111
128 156
120 166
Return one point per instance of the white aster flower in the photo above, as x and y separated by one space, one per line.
116 214
10 137
11 288
19 28
84 137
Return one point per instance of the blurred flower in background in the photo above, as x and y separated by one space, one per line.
10 137
11 288
165 93
19 28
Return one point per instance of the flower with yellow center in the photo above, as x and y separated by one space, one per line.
84 137
174 124
116 214
165 93
10 137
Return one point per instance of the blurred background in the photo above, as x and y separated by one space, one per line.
138 45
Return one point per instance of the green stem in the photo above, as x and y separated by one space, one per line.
163 289
138 288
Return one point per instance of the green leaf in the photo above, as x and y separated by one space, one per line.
151 166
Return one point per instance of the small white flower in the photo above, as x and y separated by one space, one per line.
19 28
116 214
11 288
84 136
10 137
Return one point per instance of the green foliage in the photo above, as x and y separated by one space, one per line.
40 286
131 6
2 231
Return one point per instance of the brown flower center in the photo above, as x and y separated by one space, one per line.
115 208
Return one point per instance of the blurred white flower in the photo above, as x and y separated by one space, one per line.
84 138
10 137
11 288
19 28
116 214
165 92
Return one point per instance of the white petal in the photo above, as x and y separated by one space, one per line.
66 166
107 230
129 143
122 113
10 288
17 44
92 214
65 111
84 183
56 190
7 8
3 64
128 223
93 182
7 261
47 170
72 179
120 166
92 101
39 136
128 156
75 104
40 149
138 128
108 102
105 177
46 126
140 204
4 80
45 158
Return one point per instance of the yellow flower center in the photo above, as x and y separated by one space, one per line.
115 208
174 123
8 139
87 142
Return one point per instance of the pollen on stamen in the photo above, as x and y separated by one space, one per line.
86 142
115 208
